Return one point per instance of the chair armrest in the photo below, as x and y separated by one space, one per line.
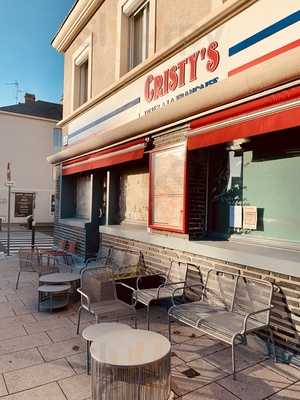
164 285
140 277
251 314
184 287
91 259
133 299
85 296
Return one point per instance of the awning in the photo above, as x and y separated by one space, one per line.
105 158
272 113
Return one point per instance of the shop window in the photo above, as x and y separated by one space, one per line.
253 189
83 197
82 60
168 189
133 200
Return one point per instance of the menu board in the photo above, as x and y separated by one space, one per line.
167 188
23 204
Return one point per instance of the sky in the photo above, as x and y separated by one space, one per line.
26 30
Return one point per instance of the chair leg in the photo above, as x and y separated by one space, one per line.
135 322
169 327
233 358
148 316
79 317
272 344
18 277
88 357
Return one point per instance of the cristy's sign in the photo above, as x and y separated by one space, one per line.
185 71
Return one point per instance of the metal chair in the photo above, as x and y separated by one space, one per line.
99 296
174 279
102 257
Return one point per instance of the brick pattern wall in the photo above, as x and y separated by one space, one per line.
285 317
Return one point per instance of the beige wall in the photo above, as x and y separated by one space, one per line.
25 143
103 27
173 19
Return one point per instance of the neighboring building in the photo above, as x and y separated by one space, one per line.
180 124
28 133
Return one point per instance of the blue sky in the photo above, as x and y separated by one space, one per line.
26 30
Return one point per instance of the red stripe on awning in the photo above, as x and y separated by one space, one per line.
105 158
273 122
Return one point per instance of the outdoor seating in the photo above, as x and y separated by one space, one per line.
99 297
101 258
32 261
175 278
230 307
125 264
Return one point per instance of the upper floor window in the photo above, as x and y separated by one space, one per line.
82 60
139 35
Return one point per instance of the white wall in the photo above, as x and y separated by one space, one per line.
25 142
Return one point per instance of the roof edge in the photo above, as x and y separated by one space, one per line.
76 19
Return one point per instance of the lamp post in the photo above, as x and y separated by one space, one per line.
9 184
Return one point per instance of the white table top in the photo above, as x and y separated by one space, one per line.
131 347
60 277
54 288
94 332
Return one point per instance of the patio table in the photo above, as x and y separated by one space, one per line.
60 278
53 296
131 364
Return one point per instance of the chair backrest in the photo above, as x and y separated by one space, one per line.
252 295
28 259
177 271
193 278
220 287
121 260
98 284
103 254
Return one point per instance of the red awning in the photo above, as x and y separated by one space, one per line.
105 158
268 114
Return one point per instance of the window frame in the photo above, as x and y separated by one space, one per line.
82 55
183 229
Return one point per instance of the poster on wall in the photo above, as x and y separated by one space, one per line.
168 175
23 204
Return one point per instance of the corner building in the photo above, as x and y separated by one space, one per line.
181 132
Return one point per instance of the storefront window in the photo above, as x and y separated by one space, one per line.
254 190
167 189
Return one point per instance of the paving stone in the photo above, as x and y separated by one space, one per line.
23 343
196 348
38 375
61 349
15 321
204 373
291 393
6 311
50 391
20 359
244 358
210 392
77 387
263 380
289 371
49 324
12 332
60 334
3 390
78 362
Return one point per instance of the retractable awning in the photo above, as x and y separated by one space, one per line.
105 158
265 115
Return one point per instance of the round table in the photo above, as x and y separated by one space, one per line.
53 296
132 364
60 277
95 331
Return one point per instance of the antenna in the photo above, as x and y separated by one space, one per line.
18 91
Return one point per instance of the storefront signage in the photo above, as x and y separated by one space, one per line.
23 204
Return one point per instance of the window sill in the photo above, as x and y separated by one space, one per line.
248 253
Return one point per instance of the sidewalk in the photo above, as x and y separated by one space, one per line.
42 358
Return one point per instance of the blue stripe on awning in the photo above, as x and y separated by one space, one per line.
105 117
269 31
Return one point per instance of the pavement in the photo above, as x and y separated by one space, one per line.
42 358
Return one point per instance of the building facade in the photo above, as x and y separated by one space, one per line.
28 133
181 137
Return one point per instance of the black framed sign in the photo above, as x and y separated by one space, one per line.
23 204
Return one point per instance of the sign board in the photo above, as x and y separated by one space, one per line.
23 204
250 217
235 216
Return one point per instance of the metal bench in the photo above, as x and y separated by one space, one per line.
230 307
